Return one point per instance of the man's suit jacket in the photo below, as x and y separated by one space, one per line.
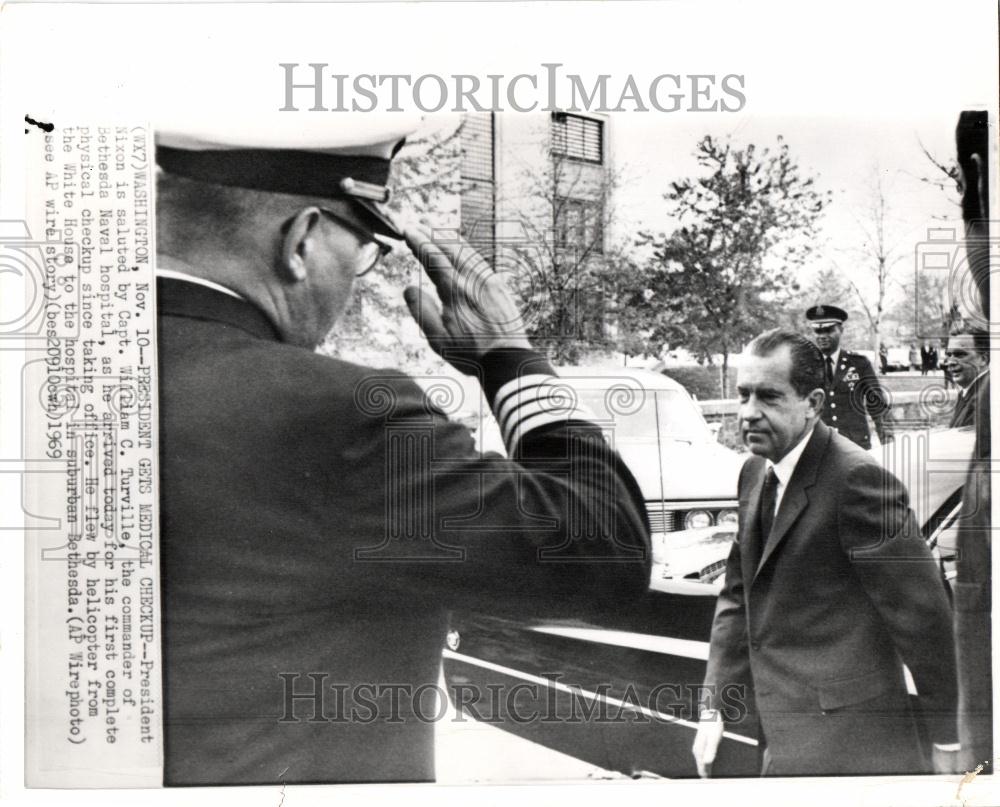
846 592
965 407
974 593
318 518
855 392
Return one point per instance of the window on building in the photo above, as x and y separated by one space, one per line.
478 198
577 137
580 225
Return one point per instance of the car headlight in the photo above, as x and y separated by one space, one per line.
728 518
697 520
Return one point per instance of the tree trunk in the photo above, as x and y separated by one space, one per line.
724 375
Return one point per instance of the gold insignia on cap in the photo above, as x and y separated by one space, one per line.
365 190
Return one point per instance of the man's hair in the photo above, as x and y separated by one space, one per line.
980 338
808 369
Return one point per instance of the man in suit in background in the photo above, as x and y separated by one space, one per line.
966 361
851 386
973 543
830 590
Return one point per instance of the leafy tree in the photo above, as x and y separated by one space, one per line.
722 275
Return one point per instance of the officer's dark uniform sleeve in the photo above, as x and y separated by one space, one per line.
560 517
873 397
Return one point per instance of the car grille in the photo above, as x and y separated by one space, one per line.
669 516
662 520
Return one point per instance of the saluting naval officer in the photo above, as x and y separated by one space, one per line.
852 388
319 517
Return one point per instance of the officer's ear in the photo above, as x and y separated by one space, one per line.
298 243
815 401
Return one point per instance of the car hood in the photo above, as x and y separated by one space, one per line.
688 470
688 551
932 465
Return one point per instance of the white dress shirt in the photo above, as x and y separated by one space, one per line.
785 467
177 273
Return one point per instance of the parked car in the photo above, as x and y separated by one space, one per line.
660 644
898 358
687 477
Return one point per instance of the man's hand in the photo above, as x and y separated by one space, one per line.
706 743
478 312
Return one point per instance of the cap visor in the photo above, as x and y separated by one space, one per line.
377 217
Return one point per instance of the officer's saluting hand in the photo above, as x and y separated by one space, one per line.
478 312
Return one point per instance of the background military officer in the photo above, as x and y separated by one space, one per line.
852 388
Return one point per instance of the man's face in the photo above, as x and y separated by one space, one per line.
961 360
773 417
828 337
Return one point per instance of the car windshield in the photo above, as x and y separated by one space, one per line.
635 412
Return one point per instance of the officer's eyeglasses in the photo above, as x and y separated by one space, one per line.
372 250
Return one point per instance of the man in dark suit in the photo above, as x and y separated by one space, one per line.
974 540
319 517
928 358
829 591
851 386
967 363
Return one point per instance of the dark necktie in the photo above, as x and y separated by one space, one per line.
829 371
768 498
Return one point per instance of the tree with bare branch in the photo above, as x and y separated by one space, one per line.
566 264
875 258
946 176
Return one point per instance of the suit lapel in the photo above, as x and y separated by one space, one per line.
750 526
796 496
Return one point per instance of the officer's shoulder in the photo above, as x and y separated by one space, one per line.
855 357
311 376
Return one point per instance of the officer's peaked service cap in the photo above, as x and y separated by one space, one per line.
820 315
346 159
